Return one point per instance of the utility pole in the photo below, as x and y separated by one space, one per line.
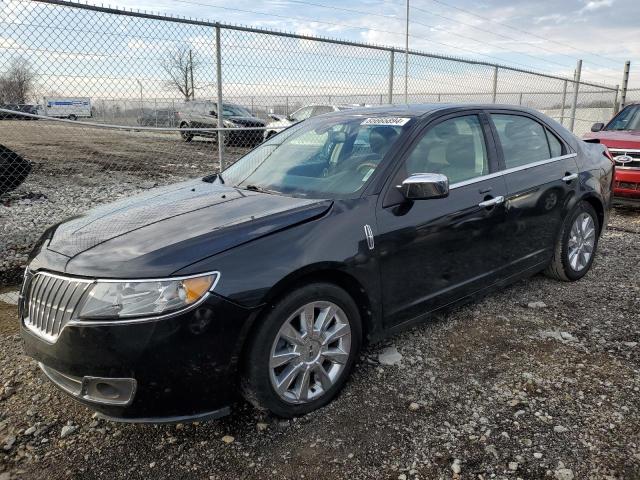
625 84
141 109
193 88
574 104
406 59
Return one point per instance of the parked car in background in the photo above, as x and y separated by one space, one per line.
268 277
158 118
204 114
622 137
14 169
18 109
283 121
72 108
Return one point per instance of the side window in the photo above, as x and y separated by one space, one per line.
302 114
554 144
320 109
456 148
523 140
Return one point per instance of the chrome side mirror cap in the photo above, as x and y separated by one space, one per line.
422 186
596 127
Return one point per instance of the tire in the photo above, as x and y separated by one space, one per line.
564 266
259 378
187 136
73 117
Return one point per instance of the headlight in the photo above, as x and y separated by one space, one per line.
124 299
229 124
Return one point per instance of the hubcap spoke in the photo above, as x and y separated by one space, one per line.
303 389
291 335
323 377
289 377
336 356
335 333
283 358
325 317
308 317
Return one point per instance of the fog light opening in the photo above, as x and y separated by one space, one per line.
107 390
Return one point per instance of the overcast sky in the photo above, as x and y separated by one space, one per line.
543 35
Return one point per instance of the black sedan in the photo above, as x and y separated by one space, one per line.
268 278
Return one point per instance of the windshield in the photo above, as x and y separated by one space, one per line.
319 158
229 110
627 119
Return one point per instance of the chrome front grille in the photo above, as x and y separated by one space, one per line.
50 302
631 158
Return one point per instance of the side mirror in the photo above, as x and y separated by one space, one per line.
596 127
337 137
422 186
213 113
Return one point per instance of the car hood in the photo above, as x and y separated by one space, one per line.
166 229
245 120
282 123
617 139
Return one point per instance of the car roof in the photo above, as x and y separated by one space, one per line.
421 109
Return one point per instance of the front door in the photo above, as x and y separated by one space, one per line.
433 252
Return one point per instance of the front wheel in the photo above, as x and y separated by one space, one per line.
187 135
303 351
577 244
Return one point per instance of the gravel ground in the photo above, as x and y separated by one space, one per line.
541 380
77 168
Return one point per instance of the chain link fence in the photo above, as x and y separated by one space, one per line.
98 103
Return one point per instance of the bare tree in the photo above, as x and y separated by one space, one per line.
17 83
179 67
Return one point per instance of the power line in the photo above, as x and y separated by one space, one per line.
357 27
437 27
469 12
520 52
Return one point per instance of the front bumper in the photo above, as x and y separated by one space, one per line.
178 368
626 188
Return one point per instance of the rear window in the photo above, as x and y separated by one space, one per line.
524 140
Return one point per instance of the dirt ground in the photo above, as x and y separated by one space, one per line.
495 389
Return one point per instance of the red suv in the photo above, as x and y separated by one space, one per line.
622 137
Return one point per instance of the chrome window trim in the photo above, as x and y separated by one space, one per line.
125 321
617 149
507 171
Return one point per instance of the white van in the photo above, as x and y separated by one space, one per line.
67 107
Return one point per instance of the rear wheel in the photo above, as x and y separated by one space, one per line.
576 247
303 351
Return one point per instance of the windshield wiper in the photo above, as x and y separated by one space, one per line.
212 178
256 188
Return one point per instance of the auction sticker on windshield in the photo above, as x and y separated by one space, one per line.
391 121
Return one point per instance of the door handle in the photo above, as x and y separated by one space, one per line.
491 202
569 177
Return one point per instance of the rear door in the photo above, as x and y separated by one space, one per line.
541 173
433 252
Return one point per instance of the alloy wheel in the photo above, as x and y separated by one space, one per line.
310 352
581 243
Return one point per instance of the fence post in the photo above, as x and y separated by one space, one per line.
625 84
616 108
495 84
564 102
219 109
520 99
574 104
391 71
